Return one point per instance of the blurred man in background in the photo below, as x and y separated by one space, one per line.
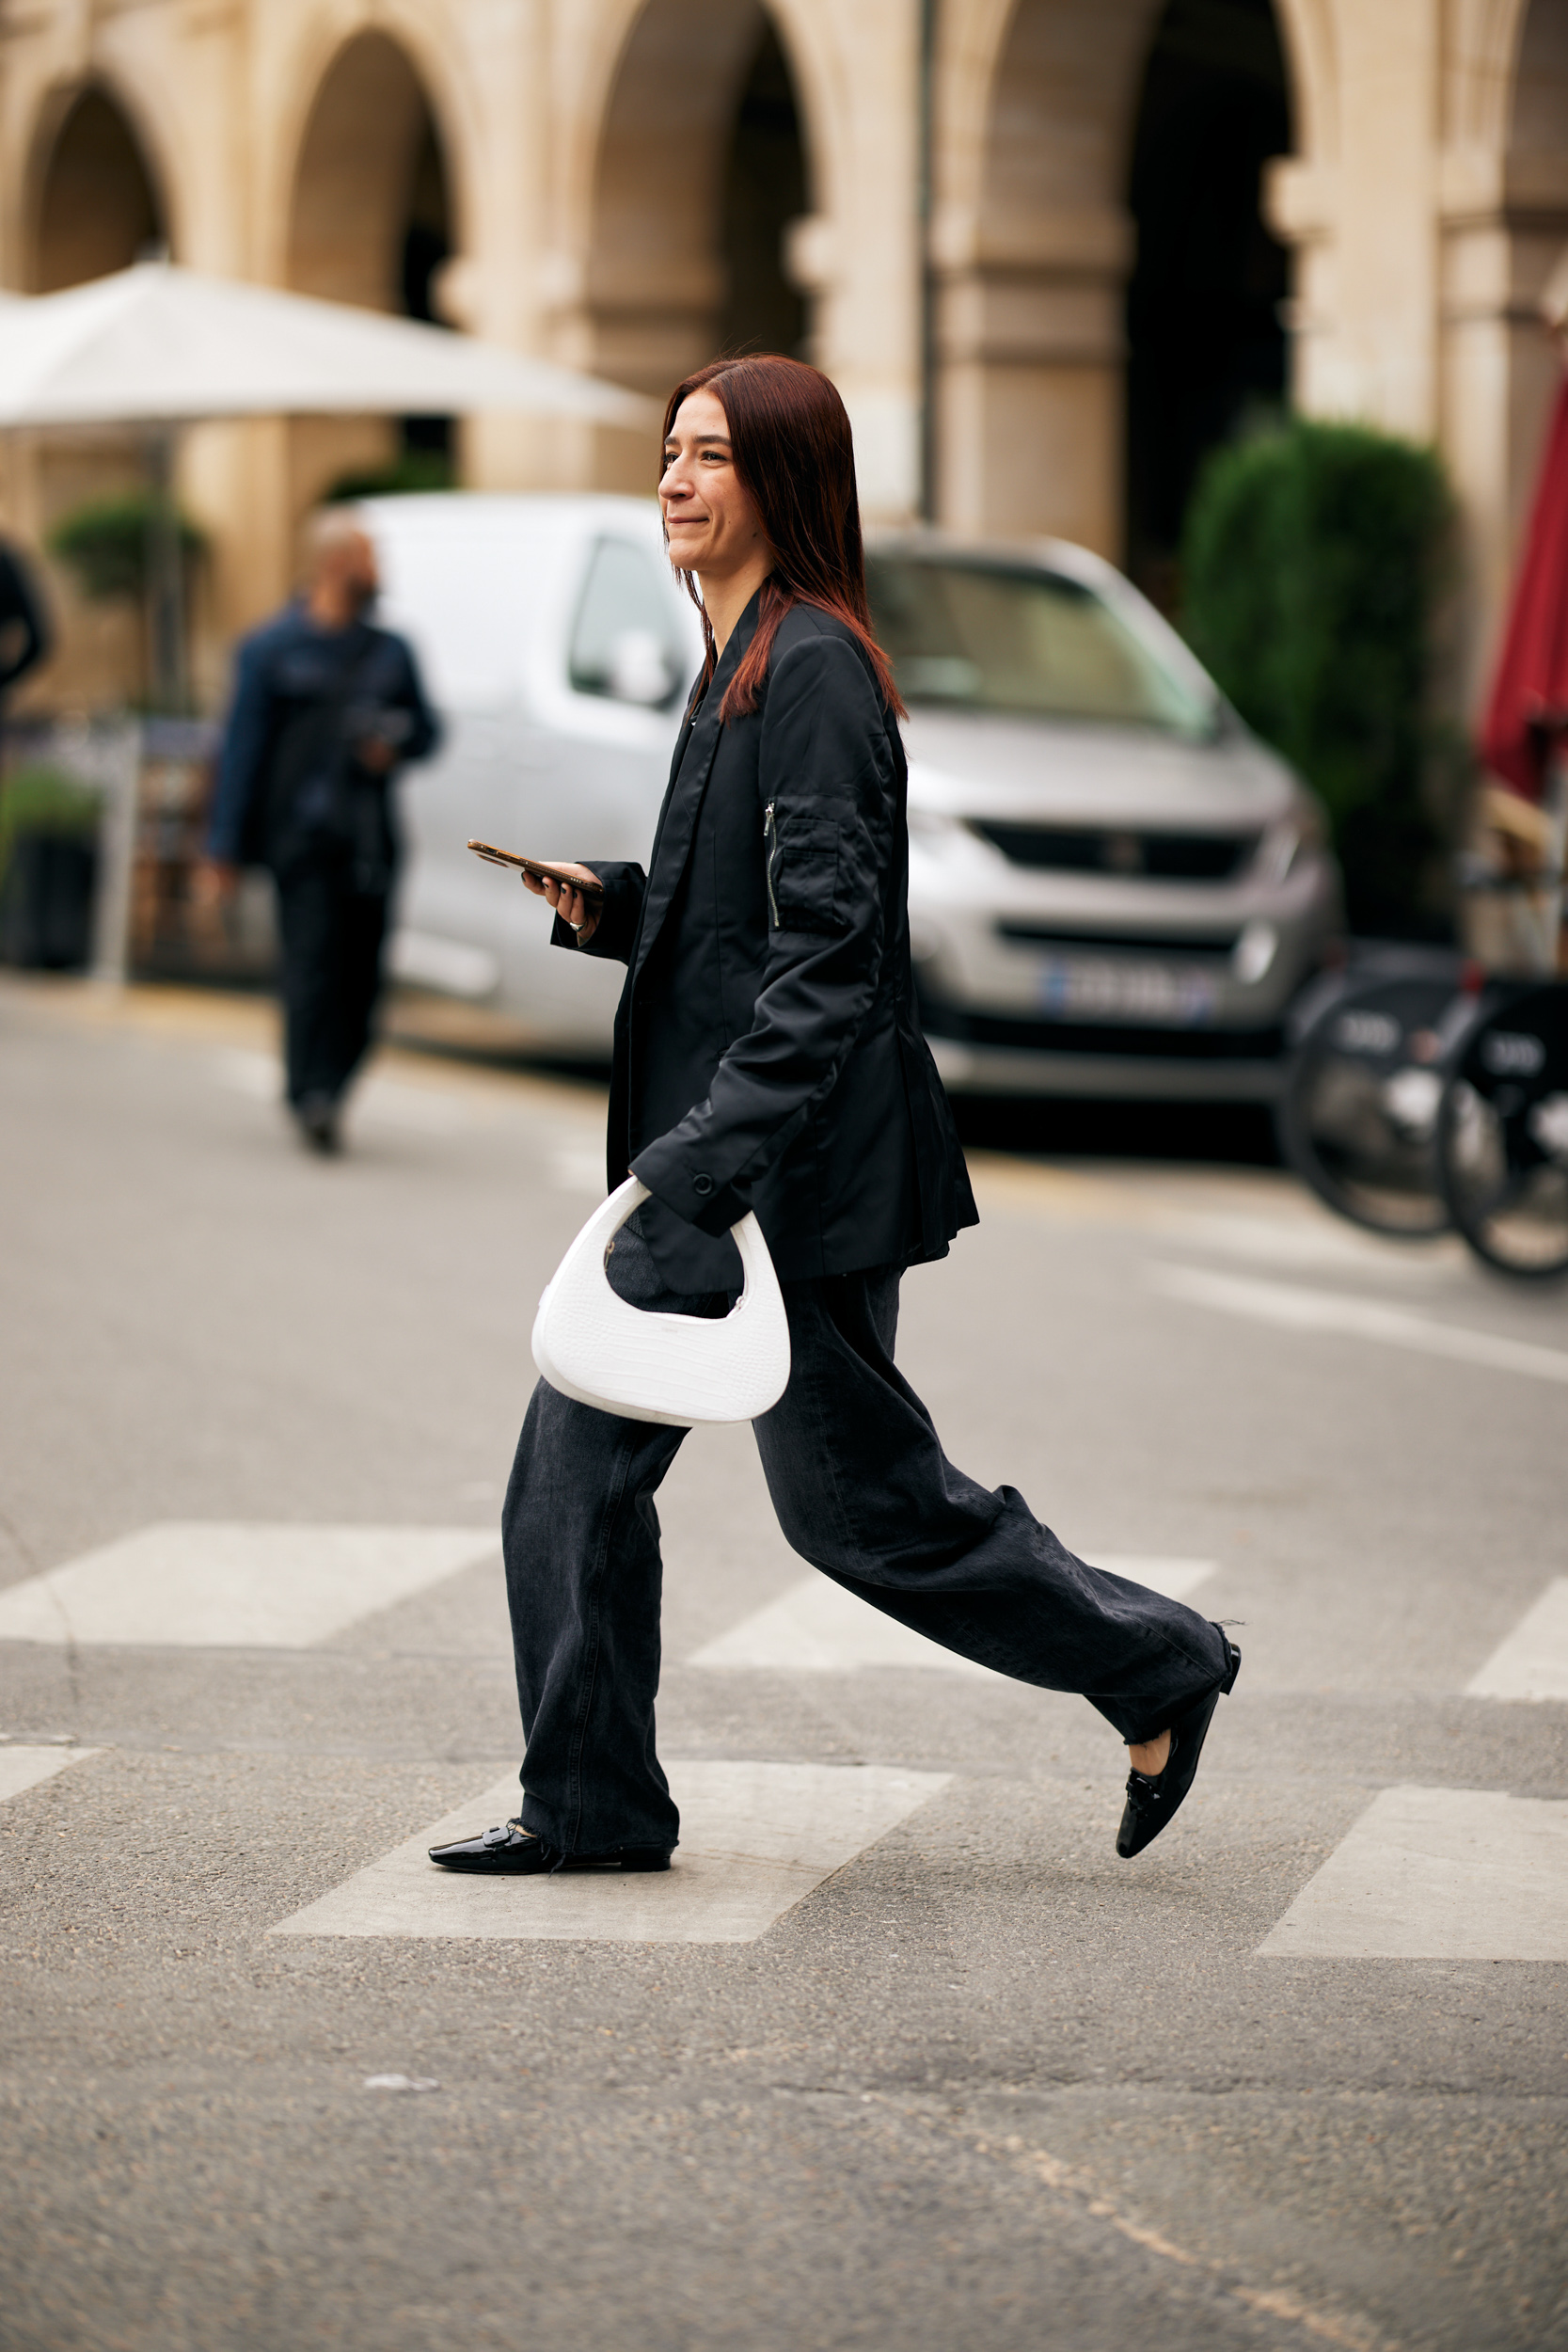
25 637
326 708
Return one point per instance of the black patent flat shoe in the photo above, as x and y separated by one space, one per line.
511 1850
1154 1799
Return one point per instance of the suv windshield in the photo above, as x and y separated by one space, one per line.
985 636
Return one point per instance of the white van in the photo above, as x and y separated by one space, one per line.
557 647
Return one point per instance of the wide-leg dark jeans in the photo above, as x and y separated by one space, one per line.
862 1490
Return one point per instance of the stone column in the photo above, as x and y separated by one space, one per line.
495 285
1031 351
1031 248
1379 362
859 256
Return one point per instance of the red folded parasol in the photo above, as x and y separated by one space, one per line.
1529 692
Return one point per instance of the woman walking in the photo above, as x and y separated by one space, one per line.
767 1056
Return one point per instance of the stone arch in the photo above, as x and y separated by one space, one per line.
704 155
1305 30
97 198
94 200
319 42
370 133
371 216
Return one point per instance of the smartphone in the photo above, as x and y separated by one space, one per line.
539 868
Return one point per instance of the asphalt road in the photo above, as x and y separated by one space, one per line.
900 2054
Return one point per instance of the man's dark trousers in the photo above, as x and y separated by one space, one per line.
332 937
862 1490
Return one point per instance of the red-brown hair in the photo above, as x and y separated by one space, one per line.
794 456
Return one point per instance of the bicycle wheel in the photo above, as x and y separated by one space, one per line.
1503 1134
1358 1118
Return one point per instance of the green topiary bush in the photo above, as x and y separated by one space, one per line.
1314 564
104 544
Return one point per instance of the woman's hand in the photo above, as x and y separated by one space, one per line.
569 904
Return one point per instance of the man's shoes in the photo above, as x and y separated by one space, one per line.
513 1851
1153 1800
317 1115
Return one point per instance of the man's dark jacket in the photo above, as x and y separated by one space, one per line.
289 787
767 1052
22 613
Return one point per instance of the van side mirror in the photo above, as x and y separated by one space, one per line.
638 668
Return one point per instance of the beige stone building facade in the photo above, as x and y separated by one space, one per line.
1049 249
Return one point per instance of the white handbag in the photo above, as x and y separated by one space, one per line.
677 1369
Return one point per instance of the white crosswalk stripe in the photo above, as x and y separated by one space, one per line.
22 1768
755 1839
1292 1308
219 1585
1437 1874
818 1628
1532 1662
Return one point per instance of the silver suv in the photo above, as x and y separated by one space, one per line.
1115 889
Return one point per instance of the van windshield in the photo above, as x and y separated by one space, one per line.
985 636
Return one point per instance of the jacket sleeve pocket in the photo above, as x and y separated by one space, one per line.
802 874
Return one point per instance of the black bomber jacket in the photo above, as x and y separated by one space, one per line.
767 1049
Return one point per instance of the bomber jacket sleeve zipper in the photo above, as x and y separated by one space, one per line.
770 839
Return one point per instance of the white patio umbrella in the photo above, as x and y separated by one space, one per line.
162 345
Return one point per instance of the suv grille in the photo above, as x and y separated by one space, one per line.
1204 943
1084 1037
1085 850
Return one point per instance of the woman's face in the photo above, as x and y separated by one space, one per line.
712 526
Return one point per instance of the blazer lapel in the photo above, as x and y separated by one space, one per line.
677 820
693 713
677 761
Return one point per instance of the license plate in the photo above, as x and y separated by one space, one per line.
1105 988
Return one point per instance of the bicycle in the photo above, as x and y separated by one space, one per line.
1358 1115
1502 1130
1426 1096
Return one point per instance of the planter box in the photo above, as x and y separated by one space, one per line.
46 903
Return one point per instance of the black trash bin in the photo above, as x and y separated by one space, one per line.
46 902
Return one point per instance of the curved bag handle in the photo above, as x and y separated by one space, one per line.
677 1369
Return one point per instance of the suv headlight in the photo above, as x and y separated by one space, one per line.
1303 833
1254 951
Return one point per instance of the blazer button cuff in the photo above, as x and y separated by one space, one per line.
702 1186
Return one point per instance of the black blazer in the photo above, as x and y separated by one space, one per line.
767 1052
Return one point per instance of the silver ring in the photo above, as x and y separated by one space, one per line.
582 926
